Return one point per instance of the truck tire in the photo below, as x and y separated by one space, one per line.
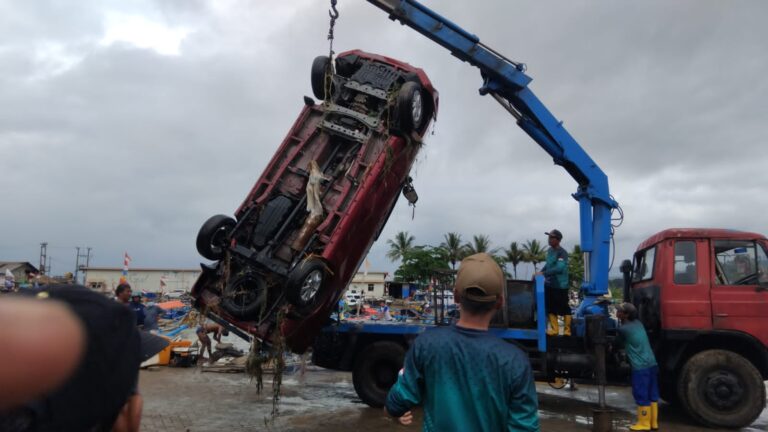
375 371
213 235
720 388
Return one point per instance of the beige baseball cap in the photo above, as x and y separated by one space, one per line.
480 271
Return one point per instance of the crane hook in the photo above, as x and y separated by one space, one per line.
333 13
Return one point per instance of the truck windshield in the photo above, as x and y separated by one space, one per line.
738 262
643 268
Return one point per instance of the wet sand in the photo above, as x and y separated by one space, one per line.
186 399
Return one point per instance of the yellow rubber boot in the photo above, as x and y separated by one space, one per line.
567 325
654 415
554 326
643 419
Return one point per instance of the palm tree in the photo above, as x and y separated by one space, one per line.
402 243
480 243
534 253
453 248
576 267
514 255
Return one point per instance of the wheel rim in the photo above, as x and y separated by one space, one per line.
723 390
311 285
417 108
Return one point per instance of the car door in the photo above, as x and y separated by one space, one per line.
738 292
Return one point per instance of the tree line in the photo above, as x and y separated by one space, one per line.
421 263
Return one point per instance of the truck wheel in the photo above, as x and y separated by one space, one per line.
376 371
213 235
411 107
305 282
720 388
245 296
317 76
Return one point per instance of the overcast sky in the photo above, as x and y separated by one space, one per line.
125 125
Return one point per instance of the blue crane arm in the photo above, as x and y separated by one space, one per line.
506 81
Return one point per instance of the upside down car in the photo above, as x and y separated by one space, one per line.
302 232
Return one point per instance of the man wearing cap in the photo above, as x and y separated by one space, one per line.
645 370
555 273
465 378
85 377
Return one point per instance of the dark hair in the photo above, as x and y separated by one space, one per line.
475 307
630 310
122 287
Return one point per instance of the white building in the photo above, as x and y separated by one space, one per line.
106 279
370 285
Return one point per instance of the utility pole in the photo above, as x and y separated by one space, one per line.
43 257
86 257
77 262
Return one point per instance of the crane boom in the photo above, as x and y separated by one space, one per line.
506 81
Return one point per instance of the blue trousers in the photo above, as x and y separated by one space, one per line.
645 385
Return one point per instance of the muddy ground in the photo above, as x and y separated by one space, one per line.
179 399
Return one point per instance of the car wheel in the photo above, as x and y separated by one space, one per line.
305 283
244 296
376 371
213 236
721 389
319 69
411 107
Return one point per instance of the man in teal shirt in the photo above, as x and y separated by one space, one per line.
465 378
555 273
645 371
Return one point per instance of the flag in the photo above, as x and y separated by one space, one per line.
126 262
367 267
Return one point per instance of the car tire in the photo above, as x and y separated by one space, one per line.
376 370
720 388
411 107
317 76
213 236
244 295
305 284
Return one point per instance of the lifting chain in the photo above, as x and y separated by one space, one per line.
334 14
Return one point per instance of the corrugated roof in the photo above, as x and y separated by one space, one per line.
13 265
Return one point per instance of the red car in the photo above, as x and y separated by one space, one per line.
300 235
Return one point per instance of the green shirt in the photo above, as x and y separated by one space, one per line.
556 269
467 380
632 334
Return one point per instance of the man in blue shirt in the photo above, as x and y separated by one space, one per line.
645 371
138 309
465 378
555 273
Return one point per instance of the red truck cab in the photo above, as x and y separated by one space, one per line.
702 295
